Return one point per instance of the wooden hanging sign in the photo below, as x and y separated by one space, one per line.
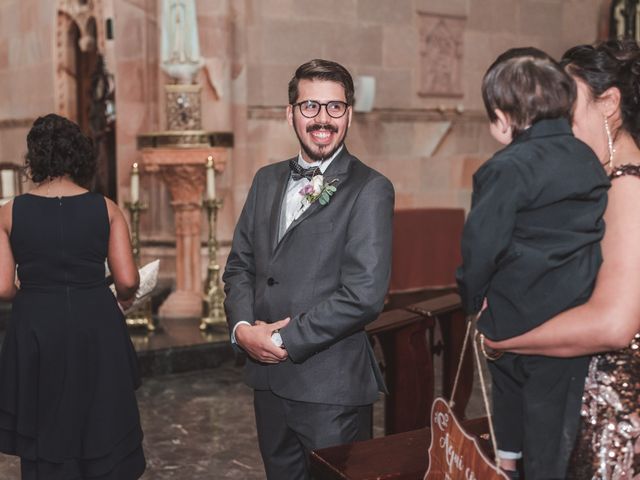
453 454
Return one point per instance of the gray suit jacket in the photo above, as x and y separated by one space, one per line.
329 272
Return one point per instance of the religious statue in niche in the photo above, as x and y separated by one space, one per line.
180 49
181 60
441 49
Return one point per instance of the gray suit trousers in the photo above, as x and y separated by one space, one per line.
289 430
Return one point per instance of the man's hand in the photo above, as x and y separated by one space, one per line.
256 341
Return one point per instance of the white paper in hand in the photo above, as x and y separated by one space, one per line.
148 281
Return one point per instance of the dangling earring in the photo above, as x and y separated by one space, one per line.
612 150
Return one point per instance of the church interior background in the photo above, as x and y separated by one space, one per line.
166 95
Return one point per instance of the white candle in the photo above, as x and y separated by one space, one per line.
8 181
135 184
211 179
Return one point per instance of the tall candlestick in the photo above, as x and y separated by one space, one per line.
211 179
135 184
8 180
141 316
213 294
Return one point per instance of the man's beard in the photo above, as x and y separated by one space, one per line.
322 155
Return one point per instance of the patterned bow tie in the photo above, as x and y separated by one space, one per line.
298 172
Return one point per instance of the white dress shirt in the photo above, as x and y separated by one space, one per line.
296 204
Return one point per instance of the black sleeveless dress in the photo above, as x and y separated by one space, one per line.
68 370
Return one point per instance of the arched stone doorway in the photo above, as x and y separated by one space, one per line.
84 87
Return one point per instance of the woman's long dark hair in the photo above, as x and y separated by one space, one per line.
615 63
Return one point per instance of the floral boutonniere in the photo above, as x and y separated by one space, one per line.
319 190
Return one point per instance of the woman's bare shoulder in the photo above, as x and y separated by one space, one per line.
622 208
6 216
113 209
625 183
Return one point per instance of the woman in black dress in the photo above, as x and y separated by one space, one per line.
68 370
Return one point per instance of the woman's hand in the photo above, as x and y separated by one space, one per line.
125 304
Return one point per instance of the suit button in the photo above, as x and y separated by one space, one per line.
271 282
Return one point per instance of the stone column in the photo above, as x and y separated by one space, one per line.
183 171
186 184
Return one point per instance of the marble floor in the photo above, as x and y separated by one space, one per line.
200 426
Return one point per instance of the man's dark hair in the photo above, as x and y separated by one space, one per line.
319 69
527 85
55 147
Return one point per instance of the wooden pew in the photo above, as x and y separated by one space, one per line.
426 252
403 456
406 338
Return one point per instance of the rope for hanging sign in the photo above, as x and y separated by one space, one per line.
460 360
471 321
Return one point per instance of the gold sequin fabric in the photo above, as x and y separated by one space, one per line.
628 169
608 445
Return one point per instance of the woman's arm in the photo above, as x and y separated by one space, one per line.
7 262
120 257
611 317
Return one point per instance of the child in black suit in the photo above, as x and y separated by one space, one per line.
531 247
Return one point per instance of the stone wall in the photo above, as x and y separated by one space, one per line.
427 131
26 71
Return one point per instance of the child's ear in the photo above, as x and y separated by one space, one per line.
504 122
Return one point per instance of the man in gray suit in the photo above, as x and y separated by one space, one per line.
308 269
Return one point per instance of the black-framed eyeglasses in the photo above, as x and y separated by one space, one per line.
311 108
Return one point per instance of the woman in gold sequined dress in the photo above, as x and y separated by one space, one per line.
607 118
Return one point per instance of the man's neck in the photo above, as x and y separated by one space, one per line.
323 164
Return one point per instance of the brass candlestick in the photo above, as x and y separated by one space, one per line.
142 315
213 295
134 211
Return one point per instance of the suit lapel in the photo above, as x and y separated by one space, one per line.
339 170
282 179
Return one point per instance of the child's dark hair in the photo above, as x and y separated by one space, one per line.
527 85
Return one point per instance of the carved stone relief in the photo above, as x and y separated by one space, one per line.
185 182
441 47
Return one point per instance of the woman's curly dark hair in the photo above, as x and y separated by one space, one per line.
55 147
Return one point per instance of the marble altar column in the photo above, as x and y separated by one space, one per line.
183 171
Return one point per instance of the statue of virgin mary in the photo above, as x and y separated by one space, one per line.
180 49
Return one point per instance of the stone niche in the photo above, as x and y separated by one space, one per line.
441 47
